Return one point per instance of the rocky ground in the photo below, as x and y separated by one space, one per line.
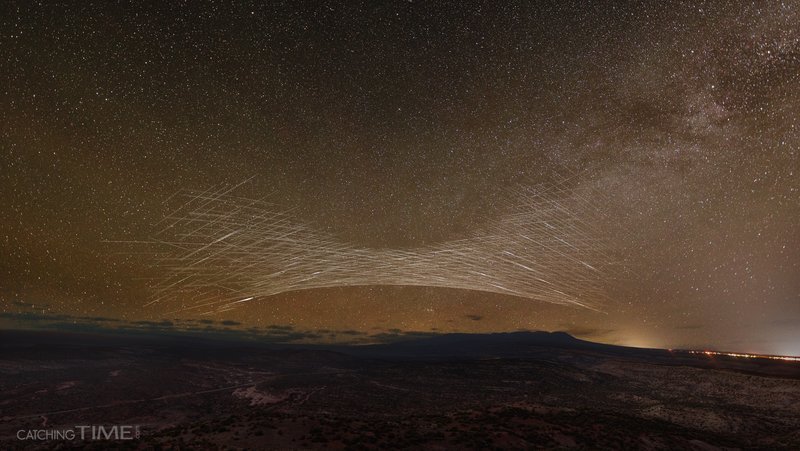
230 396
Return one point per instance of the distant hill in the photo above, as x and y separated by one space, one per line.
493 345
556 347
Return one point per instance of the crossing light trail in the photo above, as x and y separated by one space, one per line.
218 251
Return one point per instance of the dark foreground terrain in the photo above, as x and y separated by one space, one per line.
509 391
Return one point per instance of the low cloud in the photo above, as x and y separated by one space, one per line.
207 328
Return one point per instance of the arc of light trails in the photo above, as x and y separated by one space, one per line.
219 251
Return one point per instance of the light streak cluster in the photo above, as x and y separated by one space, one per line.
219 250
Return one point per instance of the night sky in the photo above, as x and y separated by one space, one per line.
400 125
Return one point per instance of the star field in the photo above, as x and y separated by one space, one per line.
404 125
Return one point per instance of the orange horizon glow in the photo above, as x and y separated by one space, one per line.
742 355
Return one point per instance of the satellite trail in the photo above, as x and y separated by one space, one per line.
218 251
